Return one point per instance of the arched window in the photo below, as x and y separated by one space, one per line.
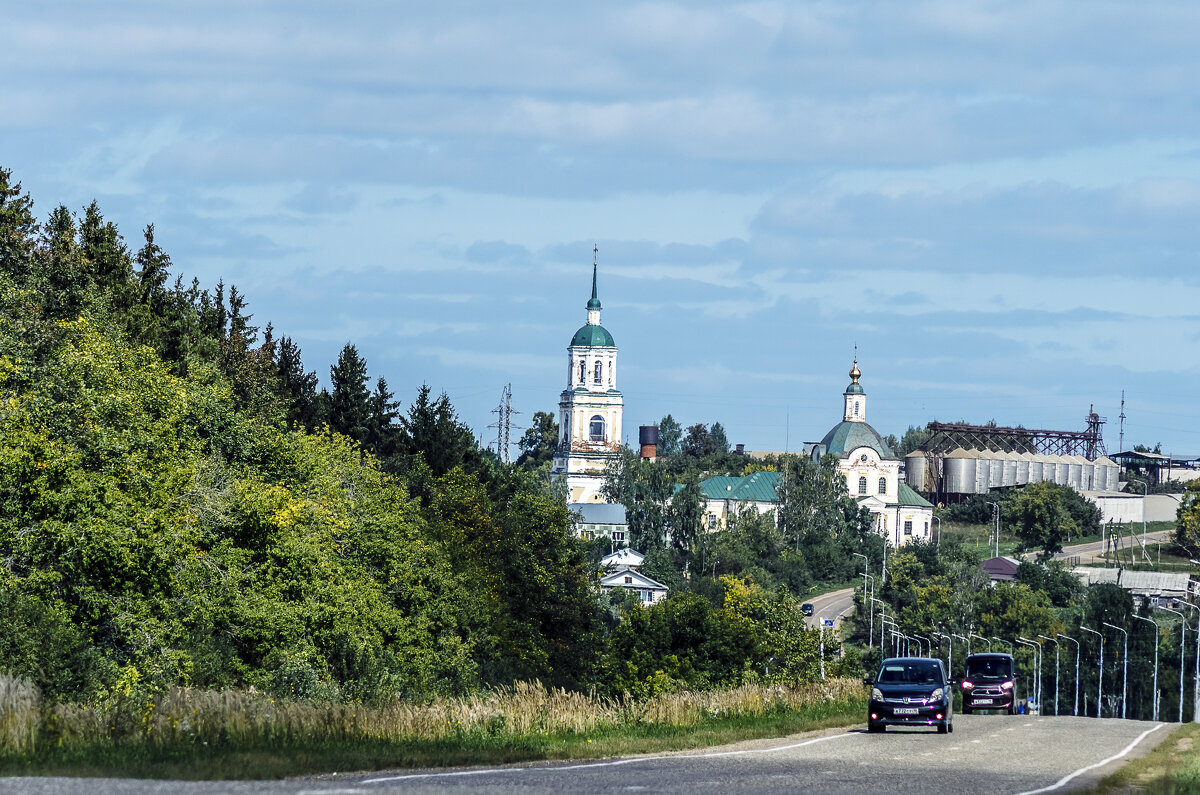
598 377
582 371
597 428
883 485
862 485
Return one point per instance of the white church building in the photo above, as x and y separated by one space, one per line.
589 409
872 470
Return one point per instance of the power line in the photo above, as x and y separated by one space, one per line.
503 424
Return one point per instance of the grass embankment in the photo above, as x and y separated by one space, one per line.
1172 767
191 734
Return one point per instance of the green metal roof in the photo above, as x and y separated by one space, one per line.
594 337
854 389
907 497
846 436
756 487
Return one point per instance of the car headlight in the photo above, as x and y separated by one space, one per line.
937 695
1007 686
967 685
876 694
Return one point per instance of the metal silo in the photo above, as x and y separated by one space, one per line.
1075 471
1062 470
983 472
916 471
996 478
1023 461
1035 467
1009 476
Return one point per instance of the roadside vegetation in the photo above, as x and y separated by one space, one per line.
194 734
1172 768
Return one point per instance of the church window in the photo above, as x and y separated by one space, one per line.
597 428
582 371
862 485
883 485
856 408
598 378
908 528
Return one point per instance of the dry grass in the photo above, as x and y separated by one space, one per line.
185 716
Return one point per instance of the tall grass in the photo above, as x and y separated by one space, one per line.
182 717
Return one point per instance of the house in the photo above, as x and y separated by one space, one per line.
649 591
623 558
596 519
1001 569
724 496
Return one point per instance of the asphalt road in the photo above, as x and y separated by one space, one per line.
985 754
1093 551
835 605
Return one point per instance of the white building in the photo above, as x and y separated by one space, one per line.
589 409
648 590
872 471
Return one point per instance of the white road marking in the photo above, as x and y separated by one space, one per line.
1065 779
611 763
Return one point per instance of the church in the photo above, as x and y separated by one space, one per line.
589 409
872 470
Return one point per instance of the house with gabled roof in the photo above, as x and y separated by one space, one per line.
649 591
725 495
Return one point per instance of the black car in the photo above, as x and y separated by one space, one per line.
910 691
989 683
806 608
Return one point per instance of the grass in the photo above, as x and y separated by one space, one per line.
1172 767
189 734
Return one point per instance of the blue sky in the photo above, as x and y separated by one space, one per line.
997 201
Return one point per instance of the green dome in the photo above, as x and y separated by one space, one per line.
593 337
848 436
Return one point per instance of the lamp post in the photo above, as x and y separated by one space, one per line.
1002 640
1037 656
1125 666
1145 494
1068 637
1052 640
1100 689
927 640
882 616
950 659
1154 698
966 640
1196 675
1182 644
982 638
996 525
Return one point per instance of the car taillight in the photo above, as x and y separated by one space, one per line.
969 685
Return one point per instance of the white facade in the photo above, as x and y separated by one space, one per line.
590 409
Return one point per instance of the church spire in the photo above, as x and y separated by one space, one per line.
594 303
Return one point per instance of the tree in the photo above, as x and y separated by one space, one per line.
17 227
685 518
1042 520
719 439
432 431
698 441
383 433
539 441
645 490
670 435
1187 529
297 388
350 401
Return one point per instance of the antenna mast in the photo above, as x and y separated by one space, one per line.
1121 443
503 424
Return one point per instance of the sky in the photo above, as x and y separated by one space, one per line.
997 202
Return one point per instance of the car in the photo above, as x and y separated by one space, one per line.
989 683
910 691
806 608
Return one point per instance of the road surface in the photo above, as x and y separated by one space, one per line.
985 754
835 605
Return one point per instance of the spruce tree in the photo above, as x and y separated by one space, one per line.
350 402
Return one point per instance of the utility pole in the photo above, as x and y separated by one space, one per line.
1068 637
1182 644
1196 675
1055 642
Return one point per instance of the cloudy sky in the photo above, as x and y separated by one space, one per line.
997 201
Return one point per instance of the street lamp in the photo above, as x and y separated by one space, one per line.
882 616
982 638
1182 645
950 659
1052 640
1037 656
1196 675
1068 637
996 525
1145 494
1153 623
1125 667
1100 689
927 640
964 640
1002 640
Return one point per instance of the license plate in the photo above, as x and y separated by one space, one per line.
983 701
906 711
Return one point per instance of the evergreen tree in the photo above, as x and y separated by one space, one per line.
297 389
719 440
383 431
350 401
17 229
670 434
432 431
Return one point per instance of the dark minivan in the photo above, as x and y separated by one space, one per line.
910 691
989 683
